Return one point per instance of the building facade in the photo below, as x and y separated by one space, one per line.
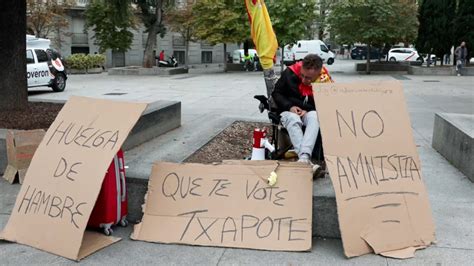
75 40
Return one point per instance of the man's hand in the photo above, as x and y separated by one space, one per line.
297 110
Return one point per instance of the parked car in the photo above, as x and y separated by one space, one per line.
238 55
404 54
360 52
44 66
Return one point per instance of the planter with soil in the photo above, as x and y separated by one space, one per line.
233 143
432 71
94 70
37 115
141 71
76 71
384 67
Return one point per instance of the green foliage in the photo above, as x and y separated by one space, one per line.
83 61
180 20
44 17
148 15
321 20
77 61
436 25
221 21
96 60
111 27
374 22
464 24
291 19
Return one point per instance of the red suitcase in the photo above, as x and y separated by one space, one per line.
111 207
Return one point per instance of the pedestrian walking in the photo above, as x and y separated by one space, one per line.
461 55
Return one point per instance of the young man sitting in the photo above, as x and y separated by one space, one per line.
293 96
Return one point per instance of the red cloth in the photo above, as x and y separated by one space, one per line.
162 56
305 90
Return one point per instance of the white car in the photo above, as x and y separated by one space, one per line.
404 54
44 66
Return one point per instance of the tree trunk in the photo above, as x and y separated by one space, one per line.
186 55
282 64
13 83
367 69
148 58
225 57
321 25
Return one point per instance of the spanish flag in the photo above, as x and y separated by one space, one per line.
262 32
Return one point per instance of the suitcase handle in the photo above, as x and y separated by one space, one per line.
122 187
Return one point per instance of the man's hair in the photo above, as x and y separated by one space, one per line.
312 61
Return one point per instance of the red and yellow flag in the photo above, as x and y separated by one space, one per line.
262 32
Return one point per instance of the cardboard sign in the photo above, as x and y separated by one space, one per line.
21 145
229 205
374 166
65 176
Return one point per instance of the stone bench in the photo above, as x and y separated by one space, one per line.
467 71
439 71
432 71
159 118
231 67
453 138
384 67
141 71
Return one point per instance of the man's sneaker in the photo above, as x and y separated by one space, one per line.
304 160
291 154
320 173
315 167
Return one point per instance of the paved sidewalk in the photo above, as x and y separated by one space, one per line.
210 102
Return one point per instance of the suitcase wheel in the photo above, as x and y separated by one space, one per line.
124 222
108 231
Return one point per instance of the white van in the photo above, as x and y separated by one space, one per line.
288 54
43 65
305 47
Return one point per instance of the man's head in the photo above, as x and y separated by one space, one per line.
311 68
463 44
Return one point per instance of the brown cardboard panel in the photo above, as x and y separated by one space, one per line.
405 253
27 137
21 146
374 166
229 205
10 174
65 176
21 175
93 242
